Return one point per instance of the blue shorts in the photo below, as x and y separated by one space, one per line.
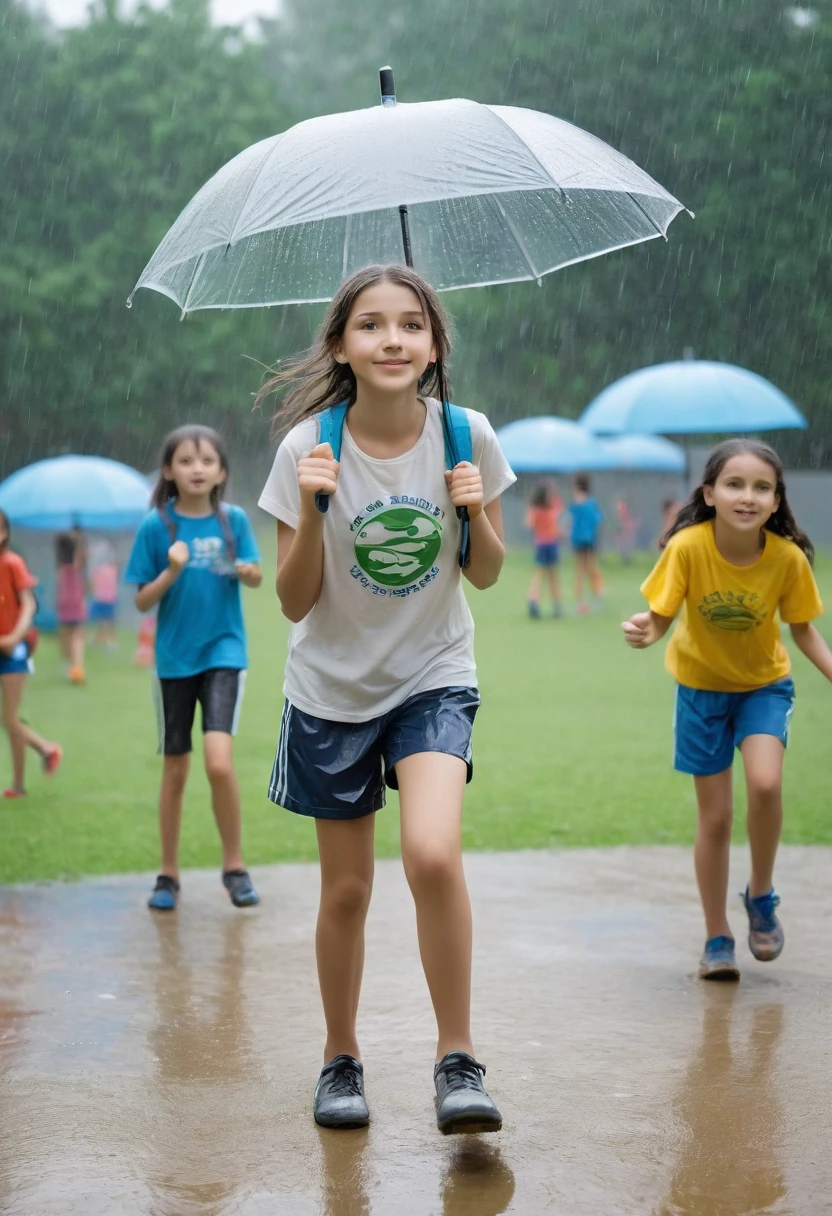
100 611
709 725
584 546
338 770
17 663
546 555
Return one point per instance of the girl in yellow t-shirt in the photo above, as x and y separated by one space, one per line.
733 559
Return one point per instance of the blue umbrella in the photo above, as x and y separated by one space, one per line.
647 453
552 445
89 491
688 397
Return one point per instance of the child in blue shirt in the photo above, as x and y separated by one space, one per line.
587 518
189 557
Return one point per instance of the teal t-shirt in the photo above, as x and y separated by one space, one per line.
200 619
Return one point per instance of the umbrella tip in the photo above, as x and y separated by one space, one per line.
388 87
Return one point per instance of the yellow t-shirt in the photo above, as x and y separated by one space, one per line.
728 638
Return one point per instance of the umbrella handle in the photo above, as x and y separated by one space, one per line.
464 536
322 502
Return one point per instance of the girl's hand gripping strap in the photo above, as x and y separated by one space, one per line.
330 430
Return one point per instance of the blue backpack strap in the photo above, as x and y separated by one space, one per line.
457 429
330 430
458 447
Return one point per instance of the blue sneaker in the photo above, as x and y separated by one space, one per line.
765 933
164 894
534 610
719 962
239 886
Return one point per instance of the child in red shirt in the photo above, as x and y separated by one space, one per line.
17 611
543 517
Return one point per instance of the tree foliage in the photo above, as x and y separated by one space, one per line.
107 131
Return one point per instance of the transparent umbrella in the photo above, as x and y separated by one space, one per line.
470 194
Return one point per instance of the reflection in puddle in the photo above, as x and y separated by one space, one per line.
201 1047
478 1182
730 1114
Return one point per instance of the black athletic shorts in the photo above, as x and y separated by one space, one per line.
219 692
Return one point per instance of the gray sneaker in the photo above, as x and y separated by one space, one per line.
339 1095
765 933
462 1104
719 961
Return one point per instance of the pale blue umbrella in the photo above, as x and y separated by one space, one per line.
87 491
645 453
552 445
690 397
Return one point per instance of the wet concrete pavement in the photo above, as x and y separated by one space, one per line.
164 1064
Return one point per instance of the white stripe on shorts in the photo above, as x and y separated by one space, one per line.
159 707
238 704
279 781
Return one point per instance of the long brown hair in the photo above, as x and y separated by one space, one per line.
697 511
165 489
318 380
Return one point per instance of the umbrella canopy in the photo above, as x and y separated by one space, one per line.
688 397
647 453
85 490
470 194
552 445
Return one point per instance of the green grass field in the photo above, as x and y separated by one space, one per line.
572 746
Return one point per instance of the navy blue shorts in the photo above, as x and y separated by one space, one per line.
546 555
338 770
585 546
709 725
17 663
101 611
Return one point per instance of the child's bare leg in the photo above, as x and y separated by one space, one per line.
174 776
431 789
20 735
581 572
762 756
534 586
225 796
554 584
75 643
345 848
64 634
714 797
595 575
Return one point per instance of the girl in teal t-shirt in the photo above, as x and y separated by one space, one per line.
189 557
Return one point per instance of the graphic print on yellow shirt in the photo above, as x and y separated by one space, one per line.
728 637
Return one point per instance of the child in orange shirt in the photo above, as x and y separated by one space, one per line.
543 517
17 611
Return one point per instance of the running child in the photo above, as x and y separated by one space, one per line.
17 611
380 679
587 518
735 557
71 596
543 517
190 556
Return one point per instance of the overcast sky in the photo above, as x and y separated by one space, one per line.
225 12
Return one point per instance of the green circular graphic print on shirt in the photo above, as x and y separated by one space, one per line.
398 546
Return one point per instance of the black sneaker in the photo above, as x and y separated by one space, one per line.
239 886
164 894
462 1103
339 1094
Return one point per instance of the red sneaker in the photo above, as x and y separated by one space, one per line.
52 759
10 793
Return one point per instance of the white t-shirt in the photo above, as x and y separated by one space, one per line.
392 619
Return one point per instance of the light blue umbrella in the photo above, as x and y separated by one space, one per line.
689 397
552 445
645 453
89 491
